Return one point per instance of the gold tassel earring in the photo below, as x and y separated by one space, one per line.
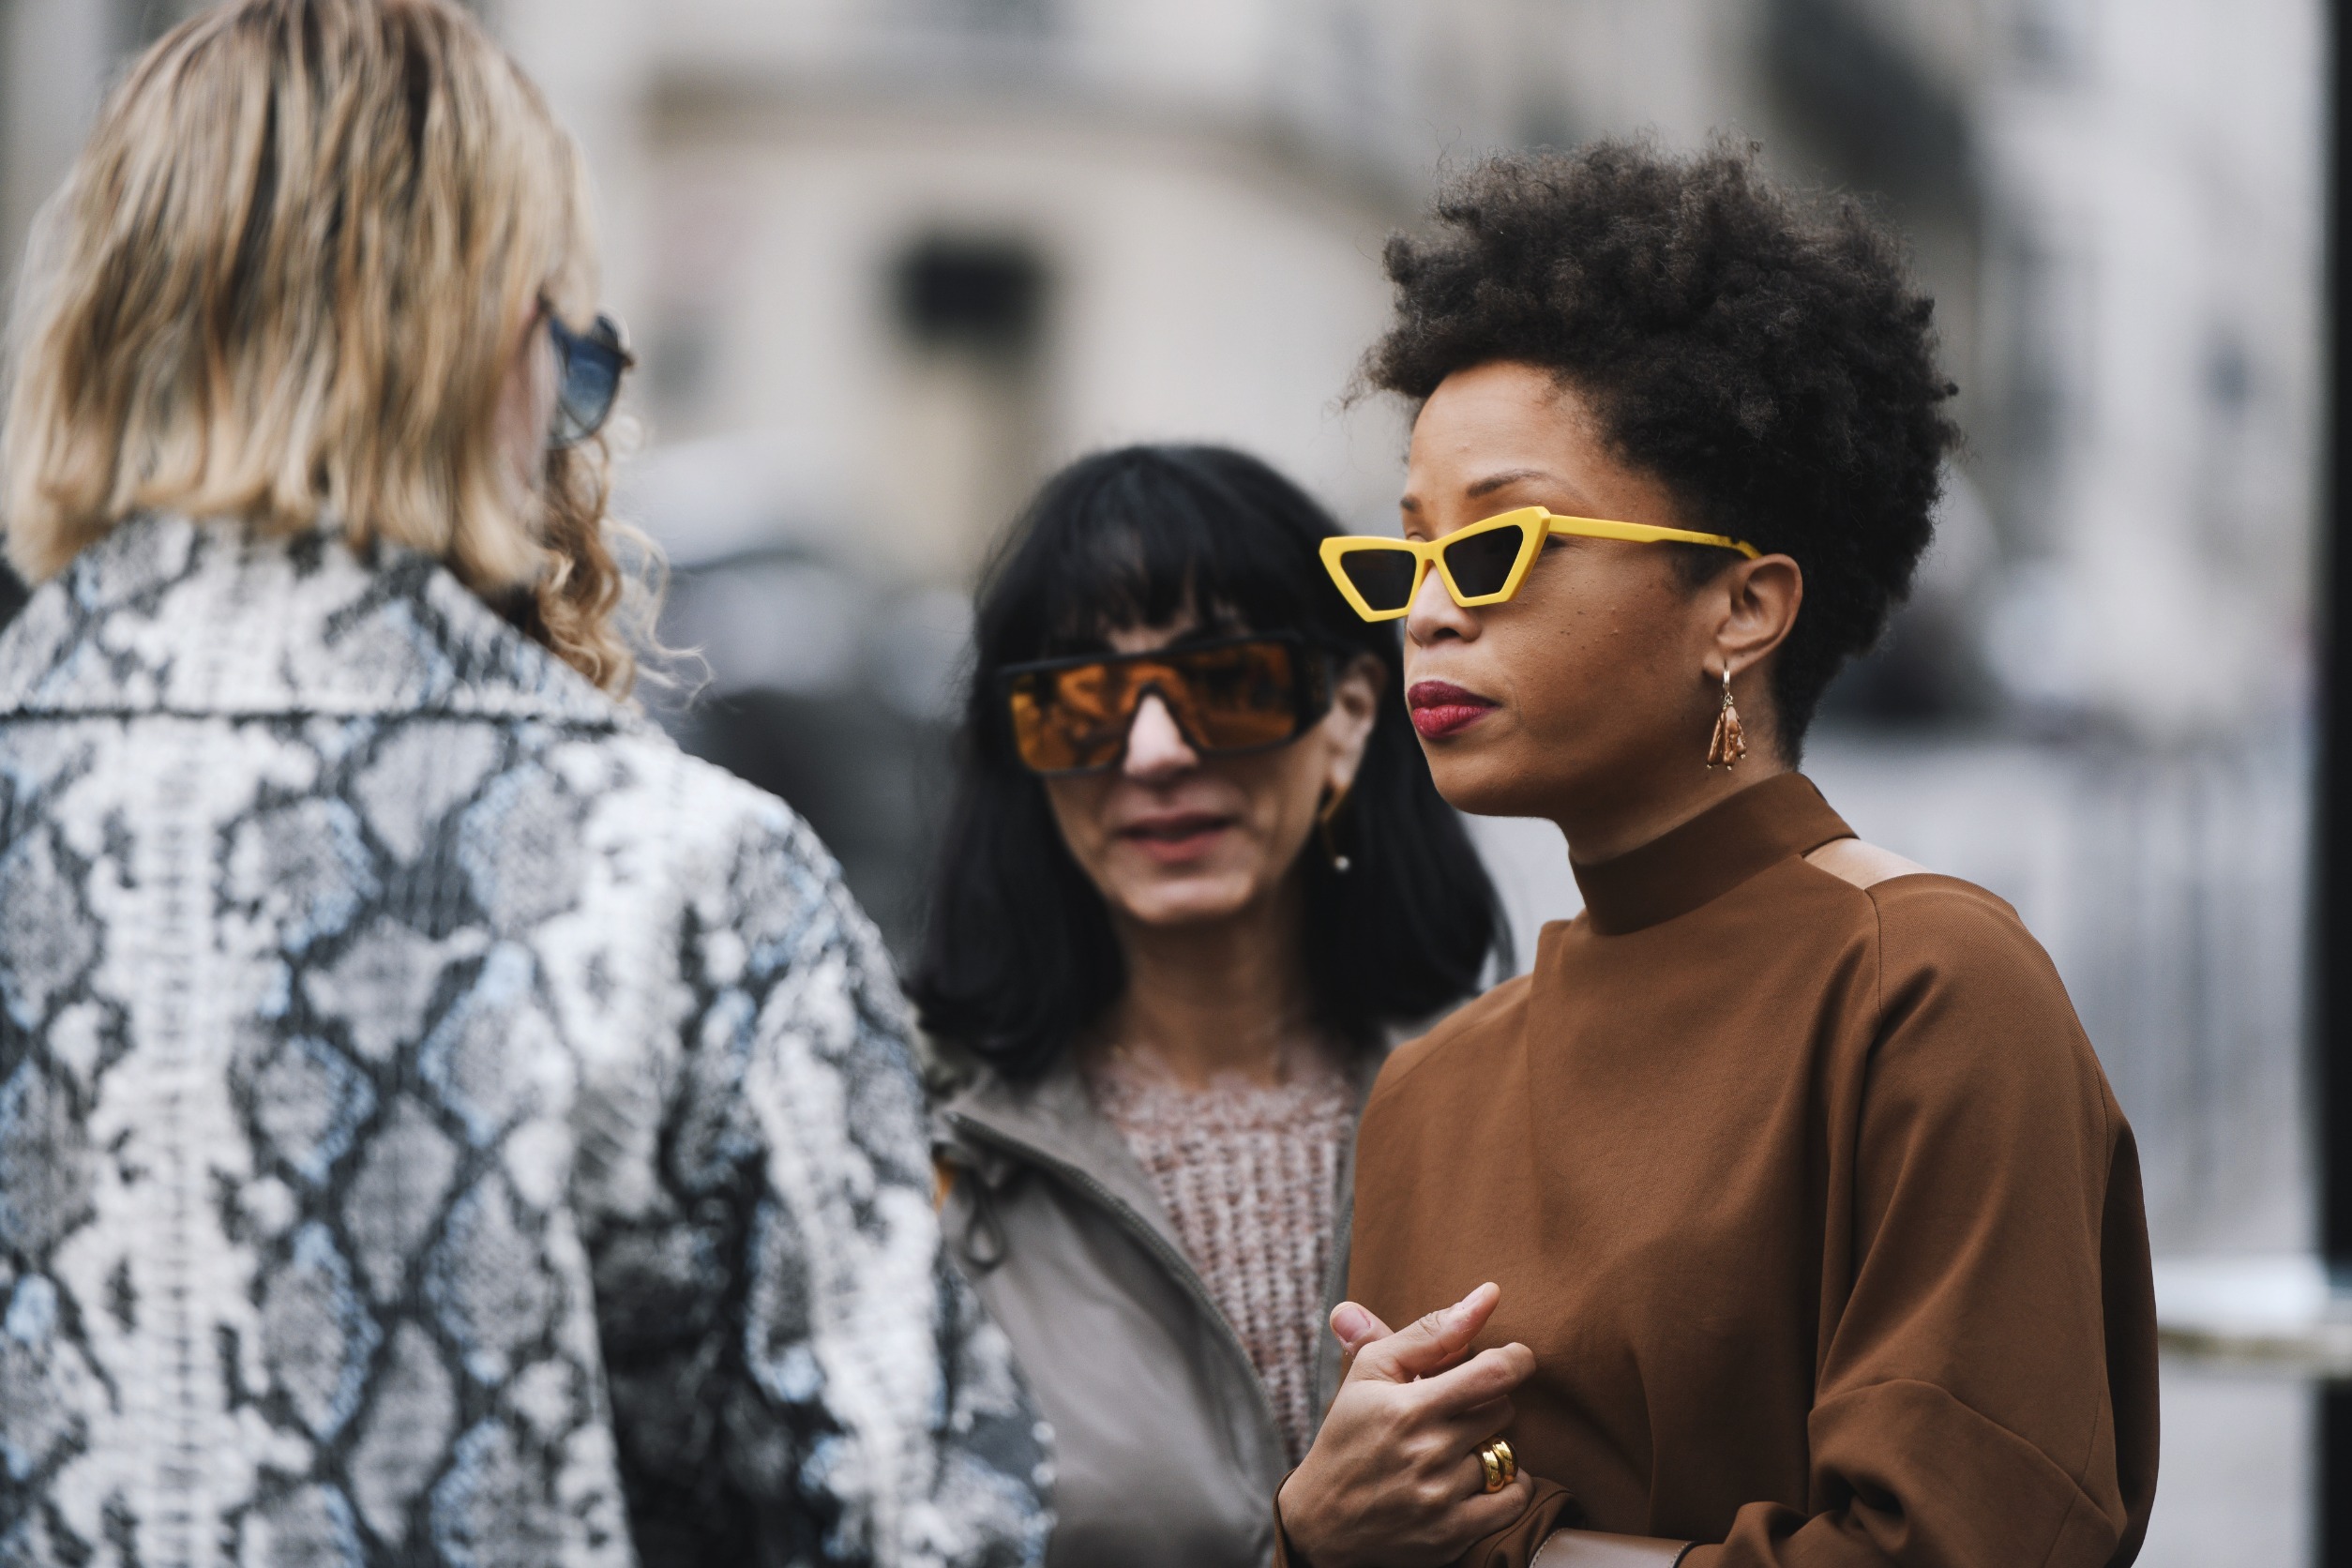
1730 741
1339 863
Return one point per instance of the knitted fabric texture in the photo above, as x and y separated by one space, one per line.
1247 1173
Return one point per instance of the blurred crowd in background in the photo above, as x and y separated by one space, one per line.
887 262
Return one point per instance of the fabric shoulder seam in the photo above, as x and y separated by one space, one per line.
1409 1068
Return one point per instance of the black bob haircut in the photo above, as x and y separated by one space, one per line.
1019 957
1768 360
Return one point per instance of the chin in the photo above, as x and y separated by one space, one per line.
1190 900
1485 784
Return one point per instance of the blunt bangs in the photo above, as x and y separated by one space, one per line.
1145 541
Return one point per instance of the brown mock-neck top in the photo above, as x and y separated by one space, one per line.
1811 1203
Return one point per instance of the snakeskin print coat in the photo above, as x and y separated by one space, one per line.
439 1122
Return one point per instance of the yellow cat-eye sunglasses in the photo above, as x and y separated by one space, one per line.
1481 564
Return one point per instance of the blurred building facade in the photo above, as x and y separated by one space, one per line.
889 262
890 259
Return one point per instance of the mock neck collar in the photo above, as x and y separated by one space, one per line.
1708 856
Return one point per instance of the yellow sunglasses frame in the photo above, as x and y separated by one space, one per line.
1430 552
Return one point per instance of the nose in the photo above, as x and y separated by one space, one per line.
1435 615
1156 749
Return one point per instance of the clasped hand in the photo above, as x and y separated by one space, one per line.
1394 1479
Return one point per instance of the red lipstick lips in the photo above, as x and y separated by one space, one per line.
1440 708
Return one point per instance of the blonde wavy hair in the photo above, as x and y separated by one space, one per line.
284 285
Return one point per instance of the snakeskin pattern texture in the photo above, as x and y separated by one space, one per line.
439 1122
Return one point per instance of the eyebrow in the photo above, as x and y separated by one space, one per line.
1494 482
1487 485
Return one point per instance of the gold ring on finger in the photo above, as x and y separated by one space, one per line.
1509 1461
1491 1462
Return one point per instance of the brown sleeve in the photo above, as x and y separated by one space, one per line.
1987 1390
1544 1537
1516 1547
1511 1547
1590 1548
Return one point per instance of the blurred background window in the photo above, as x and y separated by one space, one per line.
977 296
889 261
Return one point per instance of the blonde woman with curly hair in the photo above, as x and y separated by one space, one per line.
439 1123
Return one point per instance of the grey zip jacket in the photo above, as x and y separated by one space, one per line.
1167 1451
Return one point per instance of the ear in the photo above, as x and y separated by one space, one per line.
1356 689
1754 607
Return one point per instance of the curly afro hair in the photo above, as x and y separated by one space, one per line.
1769 361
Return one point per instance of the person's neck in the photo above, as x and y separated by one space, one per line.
1603 825
1215 998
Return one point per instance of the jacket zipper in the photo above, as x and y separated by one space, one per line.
1343 1220
1171 1259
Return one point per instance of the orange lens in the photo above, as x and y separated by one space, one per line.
1236 698
1064 720
1233 697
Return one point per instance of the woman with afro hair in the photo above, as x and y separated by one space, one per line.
1781 1215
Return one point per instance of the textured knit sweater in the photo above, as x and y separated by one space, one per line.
1246 1172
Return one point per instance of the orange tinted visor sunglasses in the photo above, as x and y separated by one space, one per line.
1483 564
1233 695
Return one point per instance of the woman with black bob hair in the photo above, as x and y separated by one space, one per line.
1194 876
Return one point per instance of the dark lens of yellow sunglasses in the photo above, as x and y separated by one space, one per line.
1384 578
1230 699
1481 563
